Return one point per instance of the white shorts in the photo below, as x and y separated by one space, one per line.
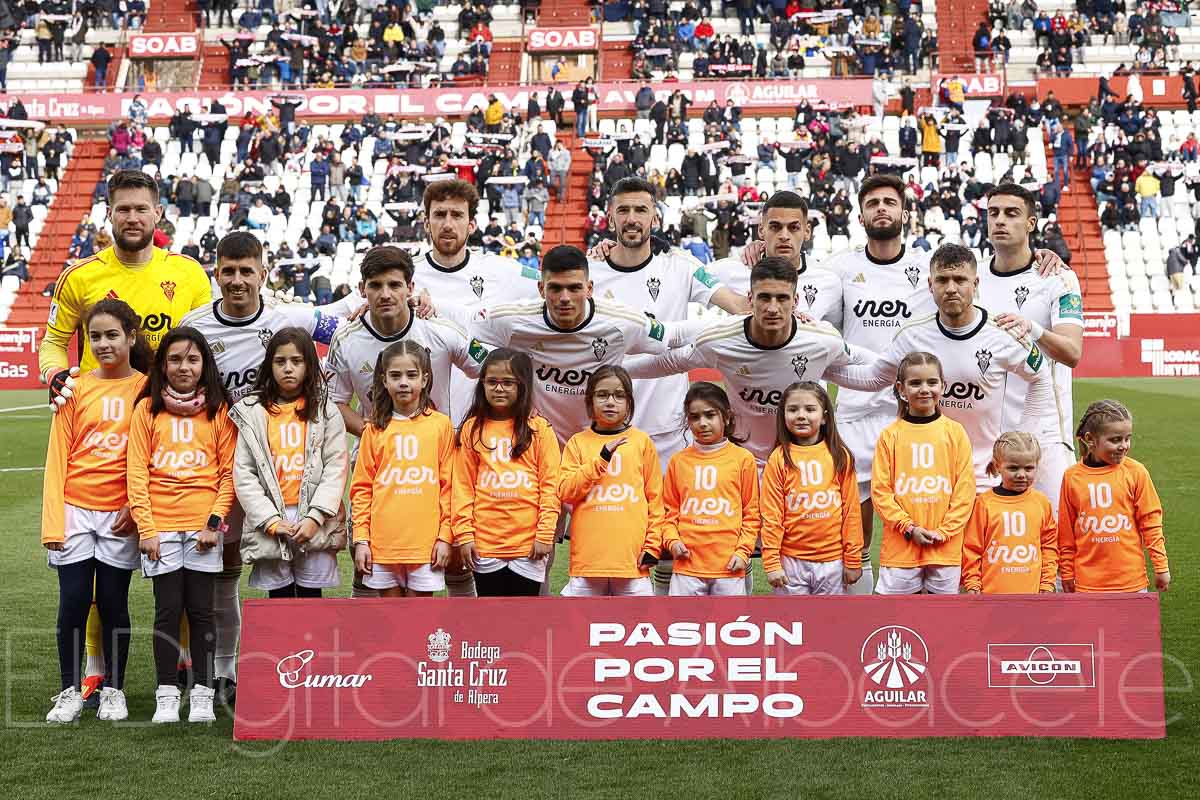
860 436
688 586
415 578
608 587
1053 465
668 444
315 570
88 534
525 567
911 580
811 577
177 550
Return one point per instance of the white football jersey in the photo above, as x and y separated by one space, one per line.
818 290
754 375
1048 301
563 360
979 364
356 347
661 288
877 300
239 346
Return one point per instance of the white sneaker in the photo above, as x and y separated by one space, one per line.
166 707
112 705
200 700
67 705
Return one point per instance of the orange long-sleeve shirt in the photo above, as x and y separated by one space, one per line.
710 500
1106 515
400 494
85 458
923 475
809 511
618 507
501 503
1011 544
179 470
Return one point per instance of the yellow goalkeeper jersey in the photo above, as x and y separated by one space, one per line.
161 291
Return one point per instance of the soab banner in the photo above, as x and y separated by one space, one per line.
683 668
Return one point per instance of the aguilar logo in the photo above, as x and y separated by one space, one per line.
653 285
168 288
810 294
439 646
599 347
983 358
1021 294
290 667
896 659
913 274
477 286
799 364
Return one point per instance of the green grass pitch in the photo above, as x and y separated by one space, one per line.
99 760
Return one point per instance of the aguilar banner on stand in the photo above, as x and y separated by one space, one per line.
683 668
449 100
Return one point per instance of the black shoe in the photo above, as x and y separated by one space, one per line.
91 691
226 692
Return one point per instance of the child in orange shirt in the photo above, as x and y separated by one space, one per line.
400 495
86 528
1011 542
180 485
922 486
710 497
290 472
1109 511
612 477
812 522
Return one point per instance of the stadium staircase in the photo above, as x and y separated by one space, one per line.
72 202
564 13
214 67
171 16
504 66
565 222
957 22
1079 217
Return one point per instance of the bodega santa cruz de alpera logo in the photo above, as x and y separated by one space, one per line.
896 660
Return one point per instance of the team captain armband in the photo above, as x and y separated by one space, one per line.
705 277
1034 361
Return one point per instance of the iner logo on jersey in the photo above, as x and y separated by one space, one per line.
152 323
571 377
882 313
963 391
235 380
769 398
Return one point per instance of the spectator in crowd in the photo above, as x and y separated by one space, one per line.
1177 267
101 56
1147 187
22 218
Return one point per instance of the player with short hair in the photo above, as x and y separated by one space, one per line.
978 357
1048 309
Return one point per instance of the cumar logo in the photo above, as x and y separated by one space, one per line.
293 674
896 660
1041 666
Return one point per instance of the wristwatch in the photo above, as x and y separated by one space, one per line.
214 522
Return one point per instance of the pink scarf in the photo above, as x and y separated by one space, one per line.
183 405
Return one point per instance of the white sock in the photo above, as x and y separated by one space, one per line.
460 584
227 621
94 666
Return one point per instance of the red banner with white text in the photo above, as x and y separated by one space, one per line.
685 668
445 101
19 358
1140 346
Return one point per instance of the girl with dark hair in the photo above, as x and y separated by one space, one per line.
400 495
612 477
812 528
710 495
505 481
86 527
289 472
180 483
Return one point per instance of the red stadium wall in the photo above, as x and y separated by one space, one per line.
1142 346
1158 91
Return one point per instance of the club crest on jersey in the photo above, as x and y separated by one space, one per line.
914 274
810 294
599 347
168 288
983 358
264 336
477 286
653 285
799 364
1021 295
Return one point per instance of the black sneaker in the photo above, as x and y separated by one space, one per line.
226 692
91 691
